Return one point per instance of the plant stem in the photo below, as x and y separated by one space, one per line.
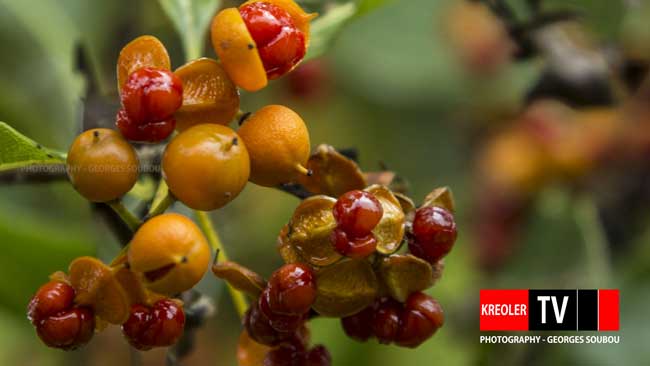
127 216
161 201
238 299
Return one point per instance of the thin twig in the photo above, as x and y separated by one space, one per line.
44 173
127 216
295 190
238 299
161 201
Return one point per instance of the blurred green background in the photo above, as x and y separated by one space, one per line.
395 92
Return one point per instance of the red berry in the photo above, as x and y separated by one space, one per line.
67 330
292 290
285 51
426 305
151 95
319 356
414 329
259 328
287 354
359 326
357 213
360 247
280 44
420 320
280 322
51 299
145 132
434 233
386 320
157 326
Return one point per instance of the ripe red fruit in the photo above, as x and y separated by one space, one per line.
359 326
319 356
280 44
426 305
158 326
144 132
434 233
259 328
386 320
58 322
151 95
292 290
51 299
420 320
353 247
67 330
357 213
280 322
287 354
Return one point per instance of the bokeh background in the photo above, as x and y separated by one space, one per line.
393 85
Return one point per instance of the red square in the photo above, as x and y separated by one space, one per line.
608 310
504 310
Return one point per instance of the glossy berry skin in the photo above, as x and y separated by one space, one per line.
51 299
259 328
151 95
67 330
360 325
359 247
292 290
144 132
357 213
386 321
421 318
319 356
287 354
58 322
280 44
434 233
158 326
280 322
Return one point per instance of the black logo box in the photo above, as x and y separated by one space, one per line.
580 313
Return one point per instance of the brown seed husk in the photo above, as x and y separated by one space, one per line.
95 285
240 277
440 197
404 274
332 173
310 228
286 249
345 288
390 230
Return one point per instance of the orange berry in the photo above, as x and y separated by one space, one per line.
101 165
206 166
278 144
171 253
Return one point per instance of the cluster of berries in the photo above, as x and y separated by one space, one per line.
168 255
433 233
278 318
407 325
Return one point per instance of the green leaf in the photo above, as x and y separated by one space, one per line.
325 28
191 19
18 151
